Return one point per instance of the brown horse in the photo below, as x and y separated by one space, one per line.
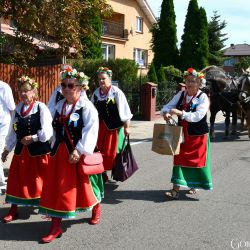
222 98
245 96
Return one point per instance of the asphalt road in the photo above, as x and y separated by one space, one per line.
137 215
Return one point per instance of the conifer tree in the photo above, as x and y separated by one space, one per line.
202 50
190 39
164 41
162 84
216 39
161 74
152 74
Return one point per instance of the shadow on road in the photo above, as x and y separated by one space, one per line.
24 230
220 134
138 140
113 196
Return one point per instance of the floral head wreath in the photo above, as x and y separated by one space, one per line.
26 80
194 73
69 72
104 70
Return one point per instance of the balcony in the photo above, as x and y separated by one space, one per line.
114 29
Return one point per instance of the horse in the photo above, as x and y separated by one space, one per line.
236 84
222 98
245 96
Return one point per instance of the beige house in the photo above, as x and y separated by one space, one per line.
234 54
127 33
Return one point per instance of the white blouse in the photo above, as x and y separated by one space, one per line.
43 135
87 143
120 99
7 105
201 108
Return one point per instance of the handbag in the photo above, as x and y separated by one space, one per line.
91 164
88 164
124 164
167 139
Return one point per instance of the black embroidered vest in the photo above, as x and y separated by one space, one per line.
74 129
194 128
108 112
29 125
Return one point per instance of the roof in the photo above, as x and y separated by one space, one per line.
147 10
41 44
238 50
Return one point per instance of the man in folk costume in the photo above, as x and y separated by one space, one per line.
29 133
192 166
65 190
114 115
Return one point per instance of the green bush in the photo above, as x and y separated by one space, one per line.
124 71
161 74
173 74
243 64
152 74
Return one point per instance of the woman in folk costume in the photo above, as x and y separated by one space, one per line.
29 133
114 115
75 124
192 166
57 95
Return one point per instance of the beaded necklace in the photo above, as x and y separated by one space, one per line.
104 93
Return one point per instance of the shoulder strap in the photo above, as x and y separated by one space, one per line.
126 137
68 135
198 96
180 100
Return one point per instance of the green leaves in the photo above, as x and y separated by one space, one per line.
57 21
2 38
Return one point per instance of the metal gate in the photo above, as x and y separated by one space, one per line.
134 101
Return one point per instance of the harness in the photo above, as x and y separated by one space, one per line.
244 90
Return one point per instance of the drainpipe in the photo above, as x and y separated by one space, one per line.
64 60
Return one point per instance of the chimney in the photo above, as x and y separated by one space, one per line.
232 46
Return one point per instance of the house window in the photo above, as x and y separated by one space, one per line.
108 51
139 24
229 62
12 23
141 57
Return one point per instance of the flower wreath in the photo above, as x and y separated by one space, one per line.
69 72
104 70
193 72
26 80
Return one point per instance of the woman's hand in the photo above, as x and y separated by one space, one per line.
126 127
4 155
126 131
167 116
74 157
176 112
26 140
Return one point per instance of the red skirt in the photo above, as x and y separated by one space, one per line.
192 150
64 190
26 177
107 143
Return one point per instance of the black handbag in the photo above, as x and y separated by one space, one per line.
124 164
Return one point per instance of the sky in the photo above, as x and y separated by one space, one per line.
236 13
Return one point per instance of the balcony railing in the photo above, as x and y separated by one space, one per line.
114 29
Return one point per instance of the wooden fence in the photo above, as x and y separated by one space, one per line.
48 78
